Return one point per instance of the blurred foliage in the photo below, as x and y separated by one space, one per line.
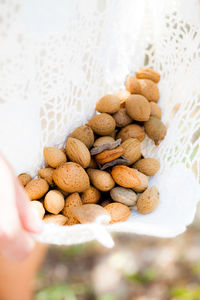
146 276
107 297
186 293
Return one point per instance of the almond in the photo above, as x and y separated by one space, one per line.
155 110
122 118
90 213
131 131
108 104
108 155
124 196
71 177
91 195
149 89
54 157
72 200
143 182
24 178
47 174
148 166
38 207
148 73
132 150
125 176
54 202
84 134
102 180
118 212
132 85
155 129
138 107
78 152
36 188
123 95
55 219
148 201
102 124
103 140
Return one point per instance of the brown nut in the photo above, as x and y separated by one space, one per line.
54 202
47 174
71 177
131 131
155 129
143 182
103 140
155 110
122 118
36 188
108 104
148 166
78 152
123 195
108 155
123 95
125 176
148 201
102 180
149 89
102 124
55 219
118 212
84 134
72 200
91 195
138 107
148 73
90 213
132 150
24 178
38 207
54 157
132 85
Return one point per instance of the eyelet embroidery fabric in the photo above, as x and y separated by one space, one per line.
56 60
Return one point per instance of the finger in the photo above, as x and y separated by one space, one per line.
28 216
16 246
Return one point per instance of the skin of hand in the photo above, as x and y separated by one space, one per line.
18 220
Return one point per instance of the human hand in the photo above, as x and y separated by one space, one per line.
17 218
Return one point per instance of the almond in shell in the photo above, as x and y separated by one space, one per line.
77 152
148 73
132 150
90 213
118 212
84 134
71 177
148 166
55 219
148 201
103 140
54 202
131 131
71 201
155 110
102 180
24 178
133 85
36 188
125 176
54 157
102 124
123 95
138 107
47 174
155 129
108 104
123 195
122 118
149 90
143 182
91 195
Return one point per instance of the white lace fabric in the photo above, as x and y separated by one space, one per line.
57 59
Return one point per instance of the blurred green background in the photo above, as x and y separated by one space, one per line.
137 268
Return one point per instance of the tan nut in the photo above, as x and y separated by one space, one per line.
36 188
54 157
54 202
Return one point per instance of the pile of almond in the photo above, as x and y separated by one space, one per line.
101 173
